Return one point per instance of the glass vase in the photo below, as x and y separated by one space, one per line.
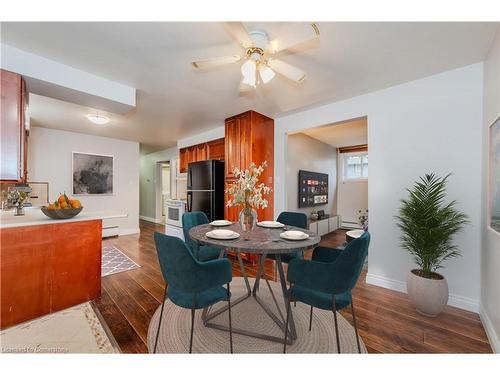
19 211
248 219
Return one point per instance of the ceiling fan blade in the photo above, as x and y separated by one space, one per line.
287 70
212 63
296 36
238 32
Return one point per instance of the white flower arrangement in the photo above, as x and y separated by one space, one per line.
246 190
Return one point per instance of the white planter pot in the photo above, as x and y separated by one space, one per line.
428 296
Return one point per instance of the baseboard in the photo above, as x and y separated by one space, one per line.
454 300
150 219
127 231
490 329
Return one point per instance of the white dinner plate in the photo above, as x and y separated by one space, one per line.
221 223
294 235
270 224
222 234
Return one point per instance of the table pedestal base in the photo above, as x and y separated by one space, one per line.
208 315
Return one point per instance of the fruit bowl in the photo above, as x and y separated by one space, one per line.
61 213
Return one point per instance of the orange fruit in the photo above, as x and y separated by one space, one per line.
52 206
63 204
75 203
61 199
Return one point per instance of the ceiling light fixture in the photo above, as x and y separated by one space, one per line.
98 119
266 73
249 70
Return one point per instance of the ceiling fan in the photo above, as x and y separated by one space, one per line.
259 64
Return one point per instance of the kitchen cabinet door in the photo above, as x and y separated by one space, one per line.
233 146
12 127
216 149
201 152
183 160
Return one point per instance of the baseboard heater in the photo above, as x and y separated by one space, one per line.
110 231
350 225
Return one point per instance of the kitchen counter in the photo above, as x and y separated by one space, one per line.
34 216
48 265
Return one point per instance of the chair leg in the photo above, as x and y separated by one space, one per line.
230 323
336 324
192 329
310 319
286 323
161 316
355 326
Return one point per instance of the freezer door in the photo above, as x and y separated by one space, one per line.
200 176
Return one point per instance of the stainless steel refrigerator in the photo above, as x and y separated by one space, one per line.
205 188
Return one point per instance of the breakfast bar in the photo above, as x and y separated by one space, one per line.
48 265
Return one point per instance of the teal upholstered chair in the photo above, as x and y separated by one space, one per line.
202 253
191 284
294 219
326 281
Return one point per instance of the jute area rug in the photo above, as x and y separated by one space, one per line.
176 324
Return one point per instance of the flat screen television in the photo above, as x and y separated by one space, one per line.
313 189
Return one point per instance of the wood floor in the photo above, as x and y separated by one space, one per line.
386 321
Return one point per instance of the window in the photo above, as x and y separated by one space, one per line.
355 166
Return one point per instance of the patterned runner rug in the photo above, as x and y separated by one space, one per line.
114 261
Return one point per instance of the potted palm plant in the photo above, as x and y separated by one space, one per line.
428 225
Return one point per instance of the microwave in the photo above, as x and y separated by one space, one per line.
174 209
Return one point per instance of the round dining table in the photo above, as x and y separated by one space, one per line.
261 241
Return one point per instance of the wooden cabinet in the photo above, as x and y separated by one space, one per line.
13 132
183 160
199 152
216 149
47 268
250 137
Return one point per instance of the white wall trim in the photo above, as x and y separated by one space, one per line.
151 219
454 300
126 232
490 329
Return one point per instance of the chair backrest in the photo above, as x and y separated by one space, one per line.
295 219
177 263
348 265
190 220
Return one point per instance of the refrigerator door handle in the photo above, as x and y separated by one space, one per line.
212 206
189 179
189 200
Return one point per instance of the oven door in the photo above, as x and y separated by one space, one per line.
174 215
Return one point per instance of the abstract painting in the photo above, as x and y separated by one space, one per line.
92 174
495 175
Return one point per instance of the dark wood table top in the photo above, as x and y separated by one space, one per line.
260 240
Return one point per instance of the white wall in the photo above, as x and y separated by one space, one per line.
207 136
149 180
50 159
352 196
490 262
309 154
432 124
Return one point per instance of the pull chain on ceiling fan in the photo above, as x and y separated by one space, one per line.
259 66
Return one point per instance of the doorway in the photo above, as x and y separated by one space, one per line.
163 186
341 151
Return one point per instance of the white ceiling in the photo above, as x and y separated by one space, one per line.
350 133
175 101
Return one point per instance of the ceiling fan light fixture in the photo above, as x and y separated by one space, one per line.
266 73
98 119
249 70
